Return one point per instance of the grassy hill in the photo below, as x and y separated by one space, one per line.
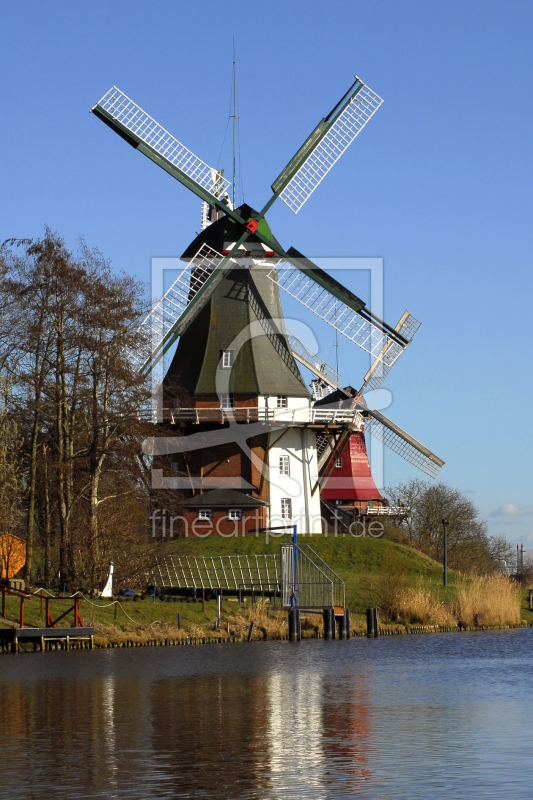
354 560
370 568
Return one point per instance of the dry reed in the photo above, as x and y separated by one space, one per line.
420 606
485 600
495 597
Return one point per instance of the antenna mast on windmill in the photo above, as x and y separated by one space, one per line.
234 119
224 309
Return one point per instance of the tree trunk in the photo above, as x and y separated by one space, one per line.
64 543
47 524
31 498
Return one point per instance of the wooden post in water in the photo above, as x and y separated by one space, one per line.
372 622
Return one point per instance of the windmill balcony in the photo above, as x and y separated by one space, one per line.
319 417
387 511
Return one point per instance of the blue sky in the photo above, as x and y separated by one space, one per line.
439 183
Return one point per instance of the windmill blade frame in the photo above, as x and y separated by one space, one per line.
400 442
180 304
142 132
349 317
313 362
380 368
325 145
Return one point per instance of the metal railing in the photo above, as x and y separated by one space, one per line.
316 586
387 511
288 416
260 572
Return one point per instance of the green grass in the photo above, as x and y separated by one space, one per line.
353 559
144 612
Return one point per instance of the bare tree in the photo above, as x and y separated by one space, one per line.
80 407
470 548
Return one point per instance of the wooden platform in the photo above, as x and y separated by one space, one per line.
11 637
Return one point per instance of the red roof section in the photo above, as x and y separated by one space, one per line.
353 480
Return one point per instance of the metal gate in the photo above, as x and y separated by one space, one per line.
313 584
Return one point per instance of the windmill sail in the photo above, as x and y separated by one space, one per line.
326 298
326 144
140 130
179 305
313 362
407 327
402 443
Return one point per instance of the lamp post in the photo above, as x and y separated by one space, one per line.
445 560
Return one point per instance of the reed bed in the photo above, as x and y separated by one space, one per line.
494 597
421 606
479 600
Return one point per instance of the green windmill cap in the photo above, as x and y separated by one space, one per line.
226 229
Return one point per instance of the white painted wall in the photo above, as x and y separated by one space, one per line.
271 401
300 445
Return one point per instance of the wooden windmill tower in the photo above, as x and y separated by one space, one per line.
249 458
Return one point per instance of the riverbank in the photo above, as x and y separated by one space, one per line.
256 624
112 642
404 584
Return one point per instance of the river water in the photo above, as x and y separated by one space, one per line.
428 716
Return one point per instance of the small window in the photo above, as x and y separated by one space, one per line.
286 508
338 462
228 359
281 401
234 514
204 513
226 401
284 465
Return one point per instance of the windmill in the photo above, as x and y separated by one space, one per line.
238 241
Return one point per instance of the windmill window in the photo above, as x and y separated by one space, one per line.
338 462
281 401
228 359
286 508
204 514
234 514
227 401
284 465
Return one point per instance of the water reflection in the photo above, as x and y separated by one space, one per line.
321 720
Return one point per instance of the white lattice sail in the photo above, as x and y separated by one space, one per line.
122 109
313 361
344 319
401 443
407 327
166 313
330 148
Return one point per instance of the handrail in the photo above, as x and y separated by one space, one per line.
293 416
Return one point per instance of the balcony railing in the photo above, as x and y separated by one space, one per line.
387 511
283 416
